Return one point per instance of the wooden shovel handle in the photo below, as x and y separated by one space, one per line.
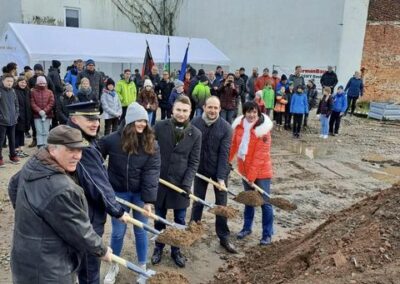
137 208
214 183
259 189
146 227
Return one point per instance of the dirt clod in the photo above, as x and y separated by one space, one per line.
250 198
181 238
168 277
224 211
282 204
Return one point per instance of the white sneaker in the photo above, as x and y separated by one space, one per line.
111 274
321 136
325 136
141 279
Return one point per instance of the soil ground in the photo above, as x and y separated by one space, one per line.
320 176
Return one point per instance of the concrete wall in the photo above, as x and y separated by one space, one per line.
312 33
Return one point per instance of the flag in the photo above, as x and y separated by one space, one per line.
167 60
148 62
184 63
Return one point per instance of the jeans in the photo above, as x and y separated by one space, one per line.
119 228
267 211
297 120
199 112
334 122
150 114
42 130
228 115
324 120
10 132
179 218
221 223
110 125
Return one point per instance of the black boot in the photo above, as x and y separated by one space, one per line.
178 258
157 255
228 246
33 144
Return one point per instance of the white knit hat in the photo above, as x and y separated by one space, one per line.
134 113
147 82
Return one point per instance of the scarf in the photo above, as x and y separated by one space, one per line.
244 144
208 121
179 129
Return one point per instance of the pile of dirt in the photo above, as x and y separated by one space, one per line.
182 238
357 245
250 198
168 277
384 10
224 211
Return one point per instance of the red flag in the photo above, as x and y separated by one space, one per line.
148 62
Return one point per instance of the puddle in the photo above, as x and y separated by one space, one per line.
311 152
389 175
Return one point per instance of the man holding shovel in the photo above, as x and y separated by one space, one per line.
52 225
180 144
216 142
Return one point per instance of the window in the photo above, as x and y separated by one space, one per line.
72 18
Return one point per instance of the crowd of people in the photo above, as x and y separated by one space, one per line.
207 121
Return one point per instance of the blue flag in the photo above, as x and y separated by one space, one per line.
183 66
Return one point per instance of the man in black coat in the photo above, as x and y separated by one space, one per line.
95 78
52 226
215 145
329 79
180 144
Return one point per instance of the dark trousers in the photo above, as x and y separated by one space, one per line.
305 120
19 138
8 131
153 118
351 102
110 125
165 113
334 122
297 120
278 117
179 218
33 129
89 271
124 108
288 120
221 223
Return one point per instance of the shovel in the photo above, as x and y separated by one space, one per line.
215 209
144 226
216 184
146 273
151 215
278 202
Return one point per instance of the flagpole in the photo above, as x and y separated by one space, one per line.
169 60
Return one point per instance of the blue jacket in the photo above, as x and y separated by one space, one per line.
93 178
71 78
354 88
172 98
131 172
339 102
299 103
280 85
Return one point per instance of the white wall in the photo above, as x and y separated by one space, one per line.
94 14
269 32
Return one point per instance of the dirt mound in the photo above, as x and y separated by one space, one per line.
181 238
225 211
168 277
357 245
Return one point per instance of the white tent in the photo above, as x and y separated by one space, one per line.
27 44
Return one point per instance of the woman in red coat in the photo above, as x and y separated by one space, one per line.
251 142
42 102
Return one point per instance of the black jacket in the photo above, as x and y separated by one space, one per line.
52 227
325 106
329 79
135 173
95 79
312 94
54 75
62 110
215 146
87 95
9 107
25 112
164 89
93 178
179 163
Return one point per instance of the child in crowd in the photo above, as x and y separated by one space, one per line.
148 99
324 110
268 97
260 102
338 110
66 99
298 107
112 108
288 114
280 106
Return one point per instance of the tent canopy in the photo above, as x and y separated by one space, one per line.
31 43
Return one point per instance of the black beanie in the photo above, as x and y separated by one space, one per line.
283 77
38 67
110 82
55 63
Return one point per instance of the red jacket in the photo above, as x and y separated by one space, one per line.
42 100
260 82
257 163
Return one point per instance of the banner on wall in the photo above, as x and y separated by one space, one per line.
308 73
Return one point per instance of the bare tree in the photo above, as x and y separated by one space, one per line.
151 16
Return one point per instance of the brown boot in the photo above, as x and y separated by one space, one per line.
33 144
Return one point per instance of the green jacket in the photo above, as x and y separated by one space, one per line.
126 92
200 94
268 97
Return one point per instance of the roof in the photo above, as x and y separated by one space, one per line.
65 43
